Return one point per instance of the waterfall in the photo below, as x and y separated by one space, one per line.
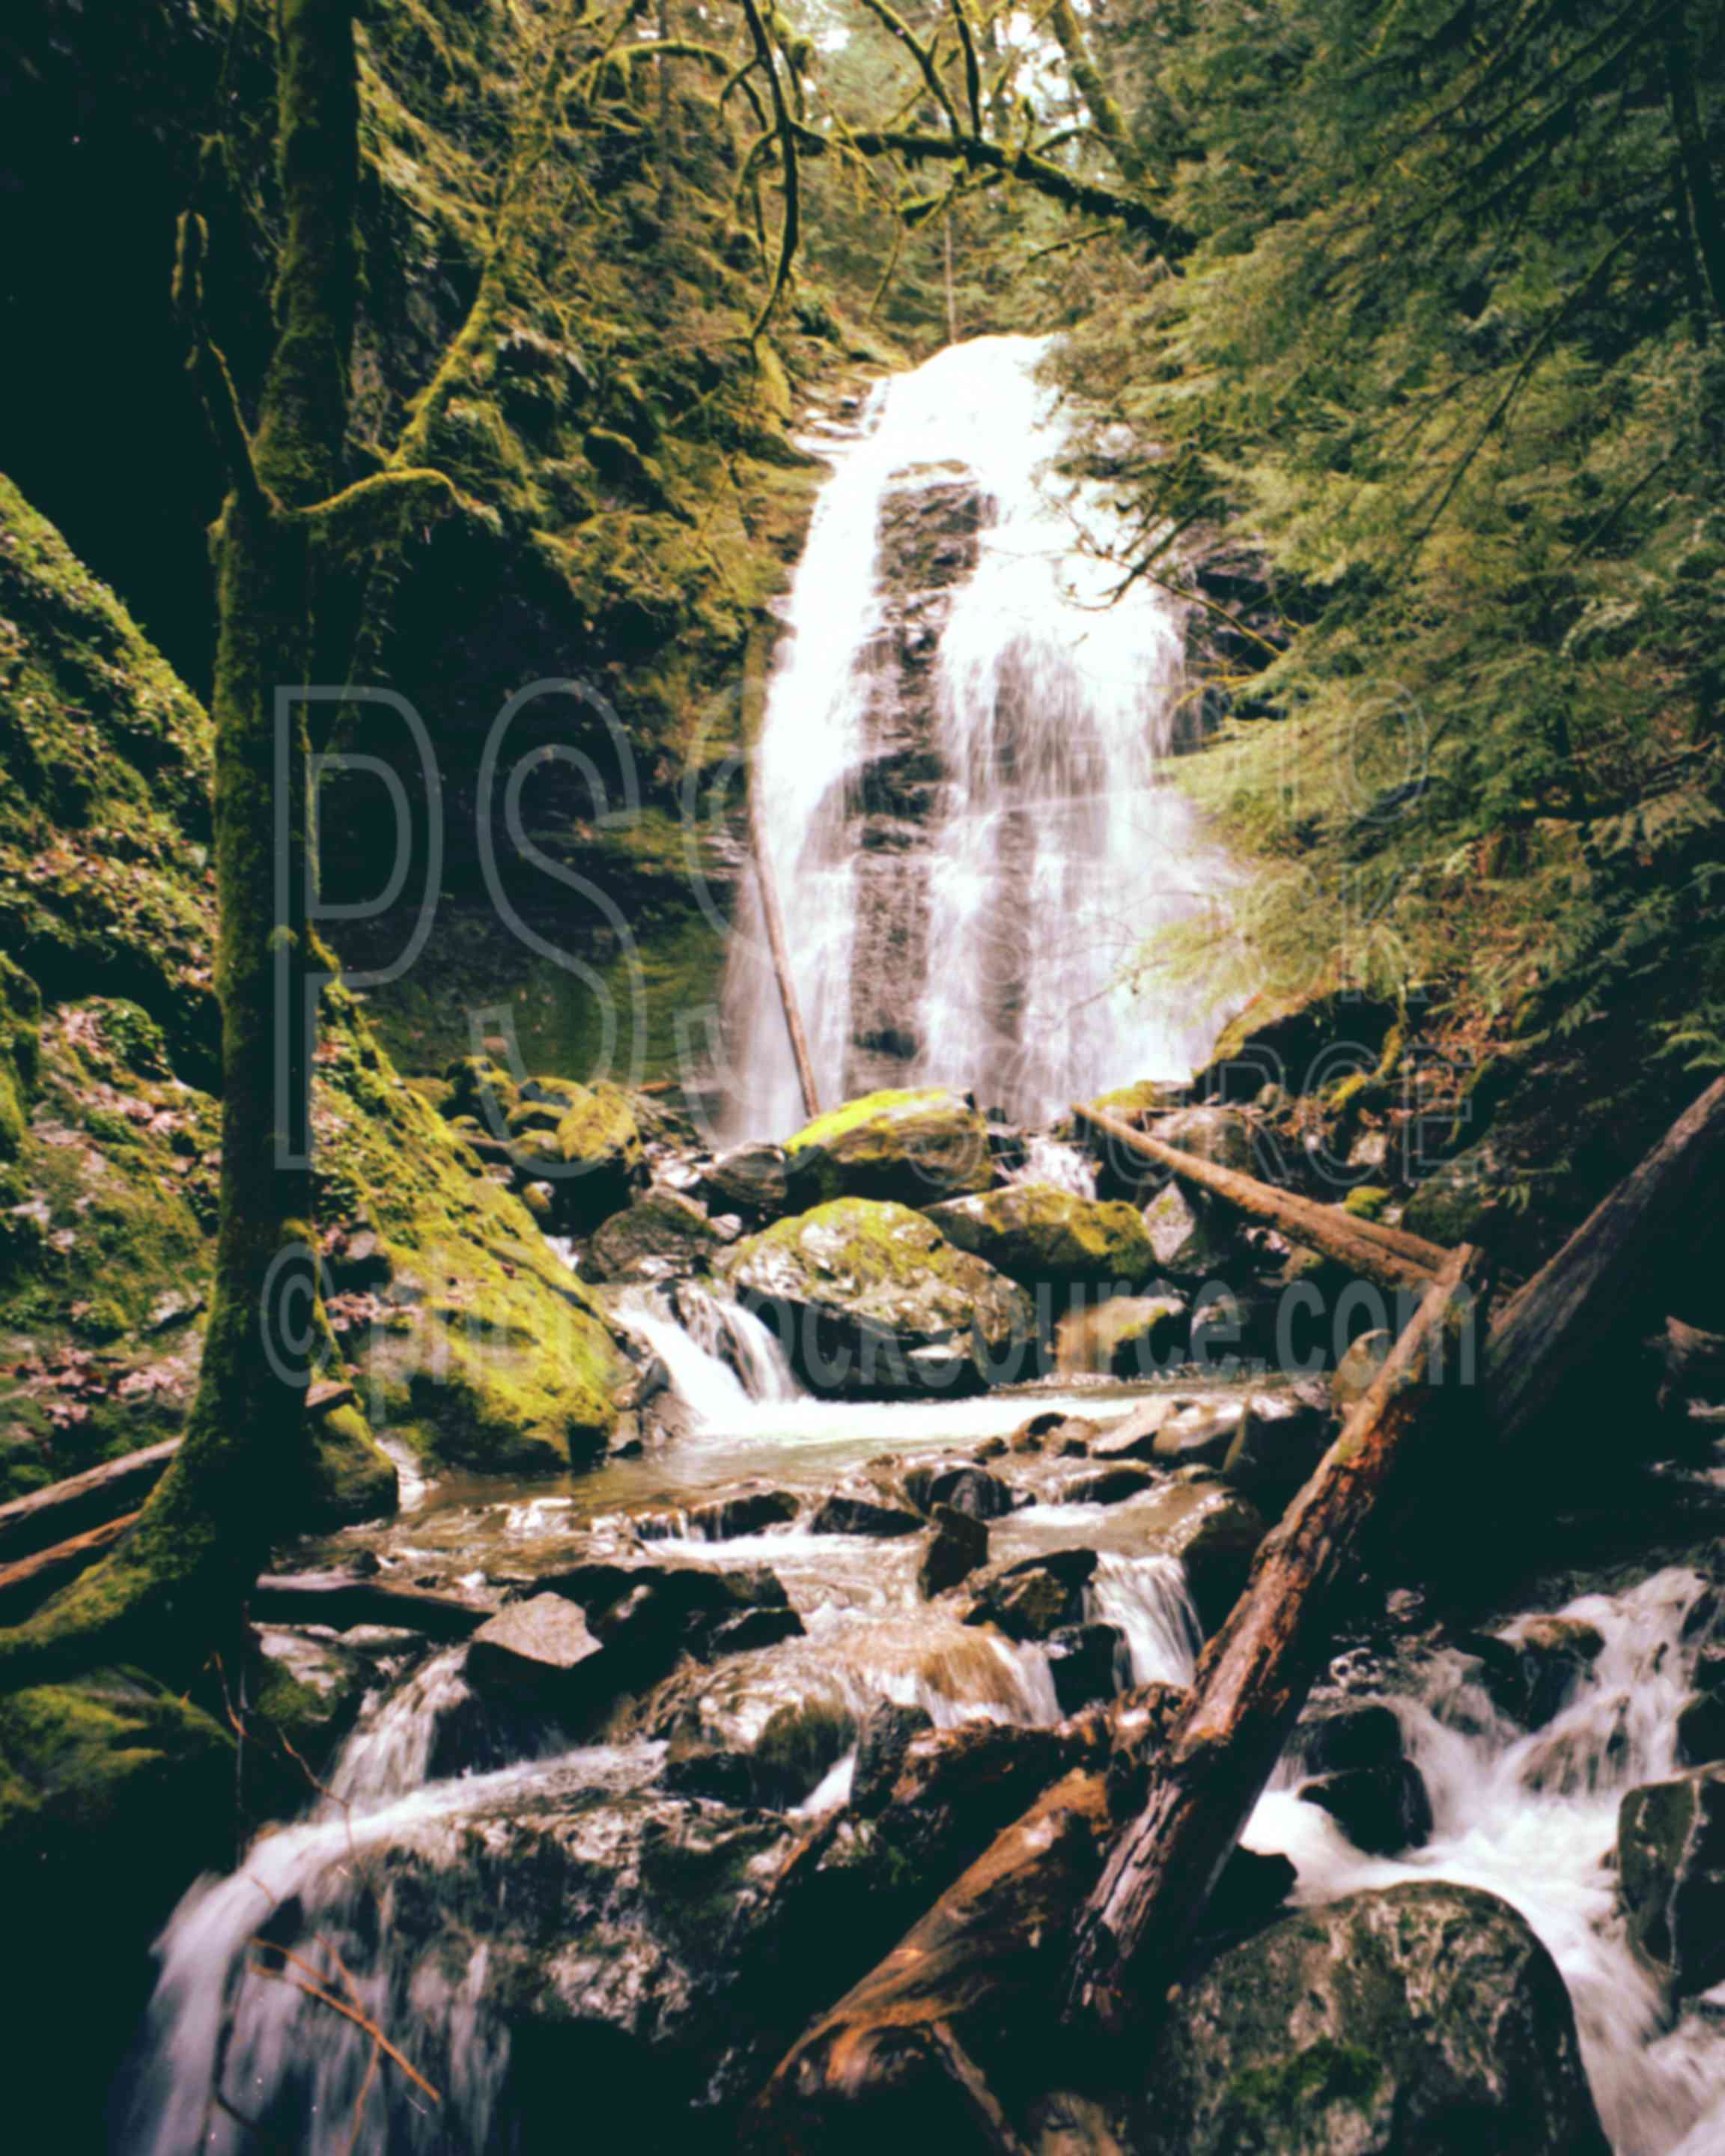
720 1357
958 772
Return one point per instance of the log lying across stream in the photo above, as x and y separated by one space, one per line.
1391 1256
1255 1674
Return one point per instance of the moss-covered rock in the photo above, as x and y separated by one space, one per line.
1409 2022
910 1147
471 1338
870 1298
662 1233
1036 1234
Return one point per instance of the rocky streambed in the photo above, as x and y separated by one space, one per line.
698 1734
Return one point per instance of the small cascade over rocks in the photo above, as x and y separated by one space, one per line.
719 1357
958 774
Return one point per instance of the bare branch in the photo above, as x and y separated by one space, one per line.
208 366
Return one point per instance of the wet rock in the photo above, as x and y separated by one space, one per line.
662 1233
1211 1528
1043 1237
543 1646
788 1727
910 1147
1106 1485
841 1514
744 1511
1276 1449
1349 1737
1671 1856
957 1546
1127 1337
753 1628
990 1447
1035 1596
1383 1808
1414 2021
1199 1436
1134 1436
857 1290
1081 1659
750 1180
1534 1674
881 1744
962 1485
646 1615
1221 1135
1700 1729
1253 1887
1046 1432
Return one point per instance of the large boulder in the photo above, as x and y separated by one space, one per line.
661 1233
913 1147
1045 1237
752 1179
1415 2021
1129 1335
1670 1857
871 1299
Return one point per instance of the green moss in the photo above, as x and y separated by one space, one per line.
1034 1233
910 1147
1270 2106
854 1115
1366 1201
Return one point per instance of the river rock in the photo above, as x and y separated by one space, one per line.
1383 1808
881 1744
1221 1135
1199 1435
1035 1596
1043 1237
910 1147
1081 1661
661 1233
1210 1527
542 1645
787 1725
960 1484
1106 1485
741 1511
1133 1437
584 1141
1277 1447
1671 1855
1416 2021
1700 1729
857 1288
842 1513
957 1546
1533 1675
751 1179
1051 1431
1342 1740
1127 1337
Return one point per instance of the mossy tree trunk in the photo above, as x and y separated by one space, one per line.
171 1589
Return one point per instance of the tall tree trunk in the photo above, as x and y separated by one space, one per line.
169 1587
1703 204
1106 116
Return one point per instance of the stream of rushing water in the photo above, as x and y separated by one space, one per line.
958 775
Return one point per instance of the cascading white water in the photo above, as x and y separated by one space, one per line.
1533 1818
722 1360
1053 850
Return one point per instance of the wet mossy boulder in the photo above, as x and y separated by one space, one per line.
910 1147
1414 2021
1671 1855
1040 1236
661 1233
870 1298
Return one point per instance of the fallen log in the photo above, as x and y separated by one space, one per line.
1391 1256
64 1509
25 1585
1255 1676
1548 1329
339 1599
918 2048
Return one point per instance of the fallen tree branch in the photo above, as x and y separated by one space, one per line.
1549 1328
50 1515
1255 1676
26 1585
1391 1256
338 1599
